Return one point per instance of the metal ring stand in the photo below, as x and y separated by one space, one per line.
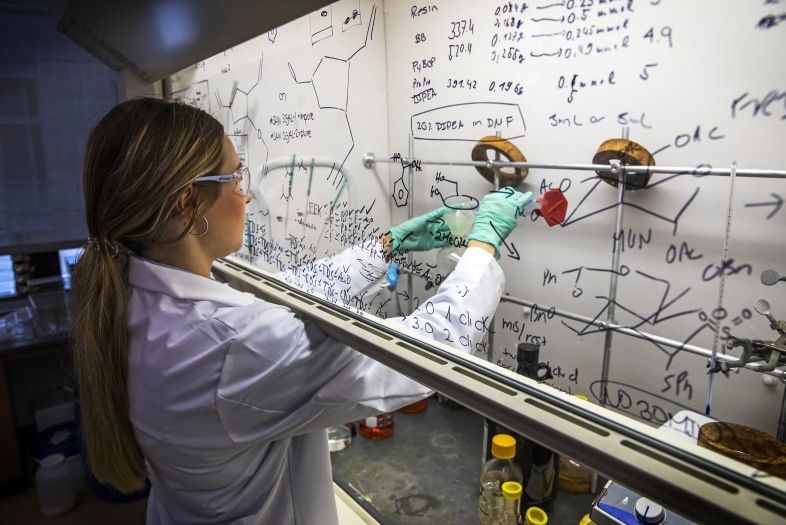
616 168
369 160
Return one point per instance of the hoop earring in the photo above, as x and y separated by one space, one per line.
204 232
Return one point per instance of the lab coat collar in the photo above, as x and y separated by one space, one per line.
182 284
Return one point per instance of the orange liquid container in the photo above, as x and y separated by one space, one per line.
417 406
378 427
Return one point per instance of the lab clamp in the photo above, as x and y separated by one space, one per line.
771 352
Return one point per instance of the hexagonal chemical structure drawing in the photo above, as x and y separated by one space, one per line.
331 83
400 193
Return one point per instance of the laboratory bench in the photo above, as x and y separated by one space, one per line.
12 478
428 471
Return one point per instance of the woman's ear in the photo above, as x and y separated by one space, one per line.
184 203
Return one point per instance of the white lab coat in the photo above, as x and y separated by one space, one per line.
230 396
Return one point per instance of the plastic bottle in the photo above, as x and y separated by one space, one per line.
511 494
377 427
55 486
500 468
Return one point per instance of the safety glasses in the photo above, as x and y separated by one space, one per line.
241 178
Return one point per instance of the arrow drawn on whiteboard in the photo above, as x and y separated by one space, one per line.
513 253
548 19
552 5
556 54
777 203
507 191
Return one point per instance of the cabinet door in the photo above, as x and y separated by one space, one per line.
10 463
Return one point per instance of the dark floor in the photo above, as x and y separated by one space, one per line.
22 509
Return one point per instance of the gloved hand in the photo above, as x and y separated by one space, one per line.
497 216
421 233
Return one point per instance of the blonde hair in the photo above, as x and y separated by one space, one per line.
139 160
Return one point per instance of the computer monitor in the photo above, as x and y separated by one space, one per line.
68 259
7 281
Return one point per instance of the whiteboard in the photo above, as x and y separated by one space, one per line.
313 89
699 84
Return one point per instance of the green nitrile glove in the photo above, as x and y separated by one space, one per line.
421 233
497 216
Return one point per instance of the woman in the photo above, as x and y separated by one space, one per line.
227 397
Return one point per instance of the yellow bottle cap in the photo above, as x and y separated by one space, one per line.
586 520
583 398
503 446
511 490
536 516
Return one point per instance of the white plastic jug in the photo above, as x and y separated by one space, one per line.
55 486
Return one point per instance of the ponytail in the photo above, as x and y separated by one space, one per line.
100 280
139 160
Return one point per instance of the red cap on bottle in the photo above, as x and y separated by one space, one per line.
553 206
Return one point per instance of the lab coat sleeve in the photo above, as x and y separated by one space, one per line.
282 377
351 276
459 315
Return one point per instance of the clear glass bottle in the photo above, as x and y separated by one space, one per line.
493 496
574 477
501 468
377 427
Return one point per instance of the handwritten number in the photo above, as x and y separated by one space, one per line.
447 337
665 32
645 412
